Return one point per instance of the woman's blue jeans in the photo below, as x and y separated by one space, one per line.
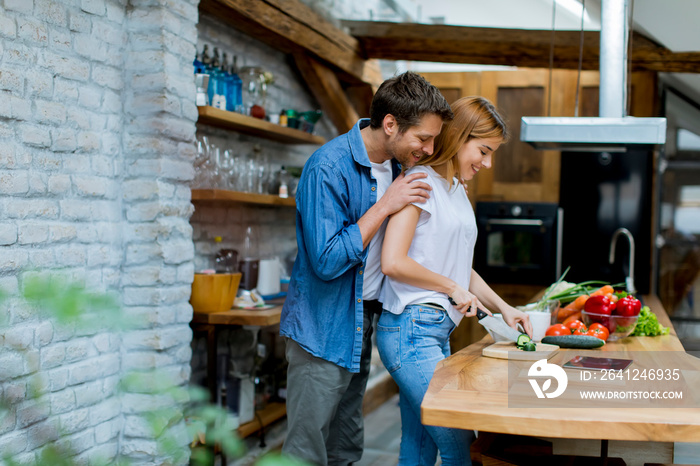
410 346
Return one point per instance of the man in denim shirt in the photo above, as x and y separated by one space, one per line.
343 198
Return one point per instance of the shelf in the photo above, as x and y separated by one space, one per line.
257 318
271 413
255 126
224 195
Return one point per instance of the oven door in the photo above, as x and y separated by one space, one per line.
518 243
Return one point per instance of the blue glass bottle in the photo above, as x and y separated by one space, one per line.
237 90
197 64
214 76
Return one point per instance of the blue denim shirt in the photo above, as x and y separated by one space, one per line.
323 311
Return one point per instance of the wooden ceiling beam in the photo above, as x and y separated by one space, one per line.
292 27
327 90
510 47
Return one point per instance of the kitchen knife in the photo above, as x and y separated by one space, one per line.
495 325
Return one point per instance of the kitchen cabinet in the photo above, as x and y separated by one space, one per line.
521 173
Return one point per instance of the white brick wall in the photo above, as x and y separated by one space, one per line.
96 132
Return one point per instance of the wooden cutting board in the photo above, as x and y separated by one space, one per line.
508 350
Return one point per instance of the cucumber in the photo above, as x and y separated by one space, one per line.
529 346
522 339
574 341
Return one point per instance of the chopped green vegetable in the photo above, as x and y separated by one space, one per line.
529 346
522 340
648 325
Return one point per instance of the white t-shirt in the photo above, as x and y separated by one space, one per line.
443 243
372 283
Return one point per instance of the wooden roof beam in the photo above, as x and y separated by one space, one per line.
292 27
510 47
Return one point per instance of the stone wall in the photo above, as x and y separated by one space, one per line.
96 145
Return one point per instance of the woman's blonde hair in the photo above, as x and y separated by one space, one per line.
474 117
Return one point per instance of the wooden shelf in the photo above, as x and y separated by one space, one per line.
271 413
255 126
253 317
224 195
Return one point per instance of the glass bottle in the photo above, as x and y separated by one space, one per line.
219 95
236 91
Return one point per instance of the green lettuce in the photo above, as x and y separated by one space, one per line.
648 325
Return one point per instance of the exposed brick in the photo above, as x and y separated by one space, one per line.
63 140
60 39
31 412
66 67
48 112
53 355
32 208
32 233
8 27
51 12
13 443
21 6
32 31
14 182
62 401
41 434
12 80
8 234
19 337
74 421
35 135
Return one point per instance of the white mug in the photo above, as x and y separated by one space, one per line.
269 276
540 323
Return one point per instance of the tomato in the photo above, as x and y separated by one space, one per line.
599 331
576 324
580 331
558 330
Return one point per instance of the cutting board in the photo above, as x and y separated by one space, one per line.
508 350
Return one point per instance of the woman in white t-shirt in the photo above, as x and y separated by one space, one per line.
427 259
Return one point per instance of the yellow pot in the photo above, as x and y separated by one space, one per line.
214 292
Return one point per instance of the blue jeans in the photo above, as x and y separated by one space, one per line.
410 346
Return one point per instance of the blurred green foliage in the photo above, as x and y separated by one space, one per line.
70 304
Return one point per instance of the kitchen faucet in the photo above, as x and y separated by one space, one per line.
629 281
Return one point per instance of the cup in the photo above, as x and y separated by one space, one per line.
269 276
540 323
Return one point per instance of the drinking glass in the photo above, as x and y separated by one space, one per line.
202 164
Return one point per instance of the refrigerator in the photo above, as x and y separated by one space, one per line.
599 193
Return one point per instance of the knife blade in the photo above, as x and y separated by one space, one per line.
495 325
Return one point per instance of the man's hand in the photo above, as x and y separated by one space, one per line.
405 190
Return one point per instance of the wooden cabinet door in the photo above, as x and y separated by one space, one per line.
520 172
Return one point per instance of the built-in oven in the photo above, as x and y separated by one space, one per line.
518 242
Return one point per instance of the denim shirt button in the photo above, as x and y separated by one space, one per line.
359 329
360 272
359 300
374 188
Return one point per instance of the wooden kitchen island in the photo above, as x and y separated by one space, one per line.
470 391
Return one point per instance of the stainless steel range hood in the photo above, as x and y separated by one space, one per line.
612 131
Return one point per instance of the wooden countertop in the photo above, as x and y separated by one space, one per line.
470 391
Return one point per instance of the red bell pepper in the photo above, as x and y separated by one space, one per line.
628 306
599 305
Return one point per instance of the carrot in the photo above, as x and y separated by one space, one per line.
603 290
580 302
572 317
565 312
